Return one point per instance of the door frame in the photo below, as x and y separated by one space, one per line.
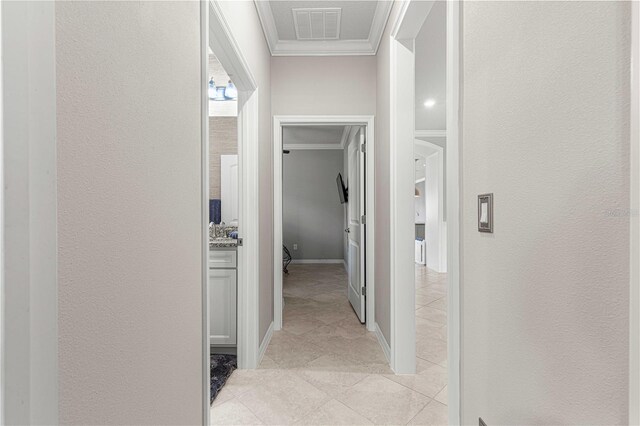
404 31
217 35
299 120
634 222
28 215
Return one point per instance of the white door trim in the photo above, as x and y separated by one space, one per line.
278 122
216 34
402 203
29 308
413 15
634 273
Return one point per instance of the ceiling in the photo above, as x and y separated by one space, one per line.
431 70
314 137
323 27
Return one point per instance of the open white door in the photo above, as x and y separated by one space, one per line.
356 233
229 174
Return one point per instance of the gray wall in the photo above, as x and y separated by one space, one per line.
312 215
546 129
129 216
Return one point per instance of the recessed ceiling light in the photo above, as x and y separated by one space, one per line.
429 103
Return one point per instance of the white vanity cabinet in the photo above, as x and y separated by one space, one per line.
222 296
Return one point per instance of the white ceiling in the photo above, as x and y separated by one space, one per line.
314 137
323 27
431 71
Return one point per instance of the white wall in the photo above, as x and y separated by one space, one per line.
431 69
329 85
435 236
247 31
312 216
129 212
546 129
29 284
383 191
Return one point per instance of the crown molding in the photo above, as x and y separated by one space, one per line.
380 19
325 47
268 23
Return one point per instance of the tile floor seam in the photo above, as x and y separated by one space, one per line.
252 412
416 390
333 363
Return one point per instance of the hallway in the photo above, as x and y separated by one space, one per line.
325 368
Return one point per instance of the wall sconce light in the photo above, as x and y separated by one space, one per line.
230 92
212 89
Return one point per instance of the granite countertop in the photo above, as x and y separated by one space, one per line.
219 236
222 242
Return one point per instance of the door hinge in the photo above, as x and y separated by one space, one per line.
239 242
364 291
363 219
363 147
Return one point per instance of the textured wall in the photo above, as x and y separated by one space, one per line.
329 85
247 31
546 129
223 140
312 216
129 216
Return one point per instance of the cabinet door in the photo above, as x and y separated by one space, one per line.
222 306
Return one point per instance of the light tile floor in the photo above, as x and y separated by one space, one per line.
324 368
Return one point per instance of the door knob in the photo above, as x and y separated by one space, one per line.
347 230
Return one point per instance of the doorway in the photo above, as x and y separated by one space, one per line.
361 275
441 106
234 271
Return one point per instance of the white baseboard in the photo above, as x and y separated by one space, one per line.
265 343
317 261
383 343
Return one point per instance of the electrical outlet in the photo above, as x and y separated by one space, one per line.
295 247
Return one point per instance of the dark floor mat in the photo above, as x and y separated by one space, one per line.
221 368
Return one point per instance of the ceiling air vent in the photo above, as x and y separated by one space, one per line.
318 23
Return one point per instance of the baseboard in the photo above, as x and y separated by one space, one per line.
383 343
317 261
265 344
